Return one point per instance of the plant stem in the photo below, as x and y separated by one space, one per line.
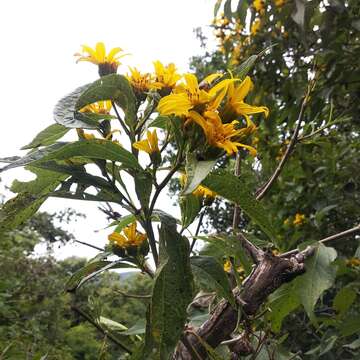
123 125
260 193
340 235
197 231
89 245
237 171
103 331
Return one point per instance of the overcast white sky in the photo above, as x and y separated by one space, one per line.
38 40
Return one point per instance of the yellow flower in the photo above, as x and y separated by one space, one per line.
218 134
150 144
190 96
107 63
85 136
255 26
140 82
287 222
299 219
280 3
131 237
100 107
203 191
227 266
353 262
236 104
259 5
165 76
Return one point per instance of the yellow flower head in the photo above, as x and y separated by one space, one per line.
140 82
218 134
280 3
299 219
259 5
353 262
227 266
150 144
99 107
203 191
255 26
191 95
165 76
130 237
108 64
236 105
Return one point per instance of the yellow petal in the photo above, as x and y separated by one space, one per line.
143 145
100 52
112 53
243 89
177 104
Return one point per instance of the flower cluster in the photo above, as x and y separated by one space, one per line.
215 108
299 219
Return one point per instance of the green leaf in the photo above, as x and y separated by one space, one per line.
172 293
282 302
32 156
299 14
92 269
242 70
111 87
31 196
47 136
227 9
210 275
217 7
161 122
66 114
229 246
196 172
143 187
350 326
111 324
234 189
190 207
137 329
319 276
124 221
343 300
97 149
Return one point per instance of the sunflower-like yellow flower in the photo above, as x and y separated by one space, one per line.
190 96
165 76
255 27
299 219
130 237
236 105
140 82
259 5
99 107
203 191
220 135
108 64
150 144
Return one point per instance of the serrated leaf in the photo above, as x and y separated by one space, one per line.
350 326
97 149
47 136
31 196
66 114
282 302
210 275
190 207
234 189
196 172
111 87
319 276
92 269
143 187
172 293
33 156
